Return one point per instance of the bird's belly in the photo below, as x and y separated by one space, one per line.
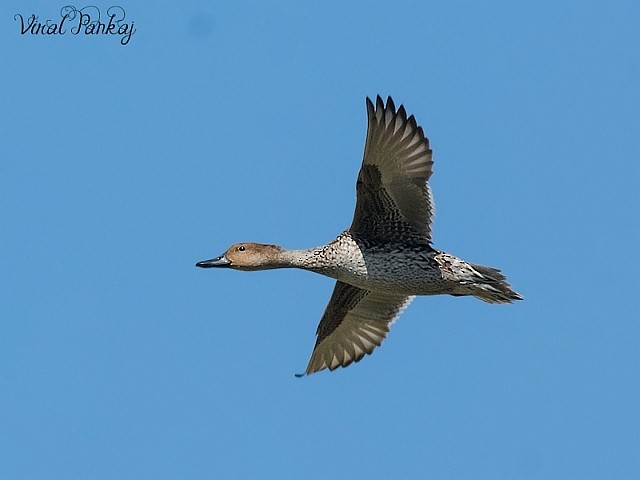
411 278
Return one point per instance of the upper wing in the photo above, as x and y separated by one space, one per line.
354 323
394 199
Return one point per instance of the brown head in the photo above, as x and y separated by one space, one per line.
247 256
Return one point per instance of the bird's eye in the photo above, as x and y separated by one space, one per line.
241 248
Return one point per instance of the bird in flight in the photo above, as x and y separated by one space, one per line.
385 258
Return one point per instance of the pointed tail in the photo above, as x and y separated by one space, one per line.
491 286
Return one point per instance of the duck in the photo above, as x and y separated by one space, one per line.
385 258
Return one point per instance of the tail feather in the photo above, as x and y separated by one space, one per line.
491 286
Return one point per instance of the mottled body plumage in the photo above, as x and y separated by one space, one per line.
404 268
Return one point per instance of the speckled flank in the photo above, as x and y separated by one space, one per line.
385 258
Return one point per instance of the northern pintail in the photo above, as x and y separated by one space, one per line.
385 258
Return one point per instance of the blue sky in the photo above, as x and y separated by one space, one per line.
121 166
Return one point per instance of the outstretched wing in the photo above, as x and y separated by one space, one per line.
354 323
394 200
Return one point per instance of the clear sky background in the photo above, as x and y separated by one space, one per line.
121 166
